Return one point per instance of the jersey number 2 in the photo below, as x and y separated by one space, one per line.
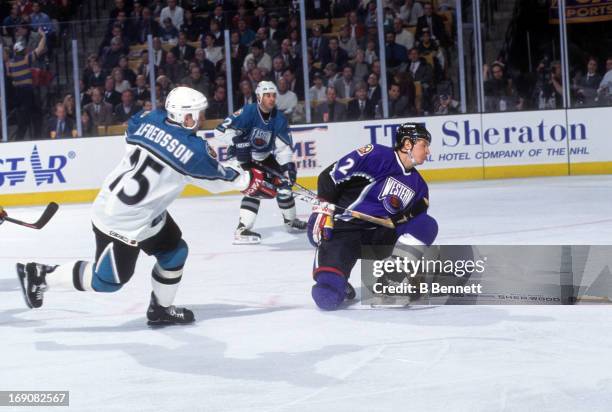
346 167
138 176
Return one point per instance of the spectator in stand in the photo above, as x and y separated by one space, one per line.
330 73
141 91
128 74
217 106
604 91
182 50
397 55
216 21
165 85
335 54
499 92
101 112
207 67
30 39
318 43
445 104
421 72
38 19
119 6
294 42
147 25
403 37
113 31
371 53
410 12
136 12
247 36
196 81
435 24
126 109
111 96
331 110
360 108
112 54
586 85
143 65
127 28
11 21
286 53
286 100
427 46
148 106
173 12
159 54
260 19
261 59
278 68
169 33
356 29
361 69
192 26
270 46
255 76
246 95
84 94
318 9
398 104
172 68
121 84
374 92
317 91
87 126
97 77
347 43
69 106
275 32
294 83
19 69
345 85
59 125
212 52
370 17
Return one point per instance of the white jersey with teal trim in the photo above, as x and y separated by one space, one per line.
161 158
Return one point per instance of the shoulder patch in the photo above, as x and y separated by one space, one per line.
237 112
362 151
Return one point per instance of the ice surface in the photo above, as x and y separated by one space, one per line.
261 345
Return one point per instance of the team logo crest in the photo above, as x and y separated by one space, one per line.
395 195
260 138
362 151
238 112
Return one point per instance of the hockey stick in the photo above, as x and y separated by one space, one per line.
312 198
42 220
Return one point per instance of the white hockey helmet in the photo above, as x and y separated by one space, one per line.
182 101
264 87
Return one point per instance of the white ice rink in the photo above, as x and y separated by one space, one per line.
260 344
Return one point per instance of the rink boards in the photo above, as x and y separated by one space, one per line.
464 147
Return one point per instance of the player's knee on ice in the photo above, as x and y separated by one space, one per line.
330 290
174 259
105 277
422 229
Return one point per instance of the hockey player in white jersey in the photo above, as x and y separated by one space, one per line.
259 133
163 154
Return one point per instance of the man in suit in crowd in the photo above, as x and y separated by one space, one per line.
360 108
100 112
331 110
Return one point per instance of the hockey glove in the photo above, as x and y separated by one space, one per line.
321 223
261 185
2 215
242 147
290 174
416 209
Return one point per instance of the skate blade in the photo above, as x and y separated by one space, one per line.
21 274
246 240
154 324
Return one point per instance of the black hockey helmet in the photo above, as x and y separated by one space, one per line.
411 131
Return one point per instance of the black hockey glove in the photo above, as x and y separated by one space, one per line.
417 208
242 147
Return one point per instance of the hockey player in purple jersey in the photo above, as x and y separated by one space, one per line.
375 180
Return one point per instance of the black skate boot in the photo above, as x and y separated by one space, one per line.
295 225
32 278
162 316
244 236
349 292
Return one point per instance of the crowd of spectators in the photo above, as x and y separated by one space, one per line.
343 59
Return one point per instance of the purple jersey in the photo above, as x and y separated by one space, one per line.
372 180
